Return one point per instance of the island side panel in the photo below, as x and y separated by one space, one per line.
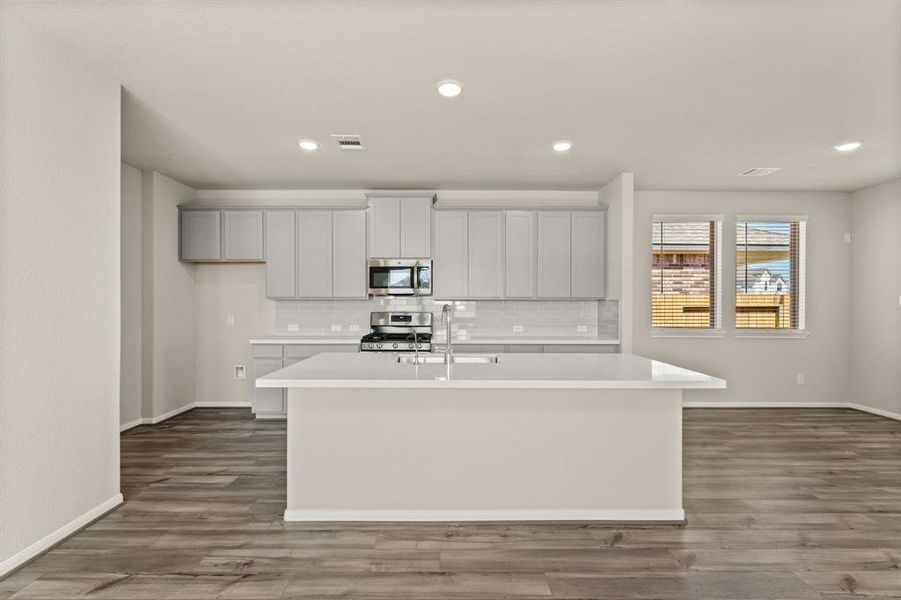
484 454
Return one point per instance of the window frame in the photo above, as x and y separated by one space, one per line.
715 331
800 285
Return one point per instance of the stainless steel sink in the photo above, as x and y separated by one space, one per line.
460 359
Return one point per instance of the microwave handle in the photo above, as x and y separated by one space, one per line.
416 276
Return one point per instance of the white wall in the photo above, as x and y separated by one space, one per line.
59 291
760 370
222 290
131 365
876 289
619 198
168 307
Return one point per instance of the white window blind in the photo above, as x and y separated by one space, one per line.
686 273
770 273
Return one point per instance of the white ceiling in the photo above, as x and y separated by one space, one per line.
685 94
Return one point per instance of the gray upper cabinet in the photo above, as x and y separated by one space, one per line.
200 234
314 254
519 254
415 227
554 254
486 254
349 254
384 227
400 226
243 234
281 254
588 247
450 252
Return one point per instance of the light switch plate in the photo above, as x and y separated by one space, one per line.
847 238
229 319
518 328
353 328
582 328
293 327
240 372
336 328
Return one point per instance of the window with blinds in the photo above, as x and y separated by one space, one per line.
769 273
685 273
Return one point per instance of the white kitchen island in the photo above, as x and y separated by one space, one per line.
530 437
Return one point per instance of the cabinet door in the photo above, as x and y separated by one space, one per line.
416 227
314 254
519 254
451 278
200 235
486 254
267 402
588 254
384 227
349 254
281 254
243 234
553 254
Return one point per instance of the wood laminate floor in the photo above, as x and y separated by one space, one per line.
781 503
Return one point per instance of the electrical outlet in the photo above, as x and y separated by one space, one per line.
799 379
229 319
293 327
518 328
336 328
461 334
240 372
353 328
582 328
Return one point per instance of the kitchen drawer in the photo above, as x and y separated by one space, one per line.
308 350
526 348
580 349
480 348
267 350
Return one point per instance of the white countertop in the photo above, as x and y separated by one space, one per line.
519 371
278 338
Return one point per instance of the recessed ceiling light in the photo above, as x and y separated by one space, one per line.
848 146
562 146
450 88
308 145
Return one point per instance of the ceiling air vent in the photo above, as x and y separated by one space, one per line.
759 171
348 142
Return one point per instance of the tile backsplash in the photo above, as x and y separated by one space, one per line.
473 319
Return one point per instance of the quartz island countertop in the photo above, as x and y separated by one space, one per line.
511 371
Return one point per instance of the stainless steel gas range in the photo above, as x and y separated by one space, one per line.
398 332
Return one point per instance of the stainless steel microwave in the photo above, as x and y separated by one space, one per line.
400 276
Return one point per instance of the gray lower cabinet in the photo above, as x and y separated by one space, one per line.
281 254
200 235
242 233
272 403
536 348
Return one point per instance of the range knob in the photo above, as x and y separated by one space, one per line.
379 345
410 346
370 345
395 345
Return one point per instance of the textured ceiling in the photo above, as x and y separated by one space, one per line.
685 94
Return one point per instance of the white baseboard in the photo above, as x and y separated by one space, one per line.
674 515
170 414
131 424
875 411
851 405
50 540
222 405
701 404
